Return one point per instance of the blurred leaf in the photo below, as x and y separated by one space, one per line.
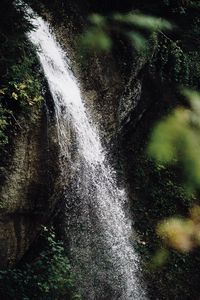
98 35
195 214
177 233
138 41
97 19
176 140
96 39
149 23
159 258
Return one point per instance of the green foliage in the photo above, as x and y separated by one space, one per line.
179 233
21 83
141 21
159 258
26 93
136 27
174 55
176 140
168 59
158 195
4 122
17 97
173 63
96 39
13 26
48 277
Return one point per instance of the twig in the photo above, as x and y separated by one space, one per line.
15 120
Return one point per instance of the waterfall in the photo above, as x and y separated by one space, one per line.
99 232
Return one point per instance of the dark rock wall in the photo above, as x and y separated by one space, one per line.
29 183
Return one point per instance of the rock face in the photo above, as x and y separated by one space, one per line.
111 83
28 196
29 183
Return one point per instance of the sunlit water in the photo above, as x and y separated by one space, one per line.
100 234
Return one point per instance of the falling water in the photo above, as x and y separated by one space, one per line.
99 232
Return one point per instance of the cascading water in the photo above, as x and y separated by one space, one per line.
97 227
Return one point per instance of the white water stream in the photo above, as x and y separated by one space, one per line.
98 229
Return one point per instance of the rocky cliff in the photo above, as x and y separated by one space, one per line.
28 189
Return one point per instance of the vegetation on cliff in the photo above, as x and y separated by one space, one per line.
48 276
21 83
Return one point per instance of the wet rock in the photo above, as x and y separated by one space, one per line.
26 195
